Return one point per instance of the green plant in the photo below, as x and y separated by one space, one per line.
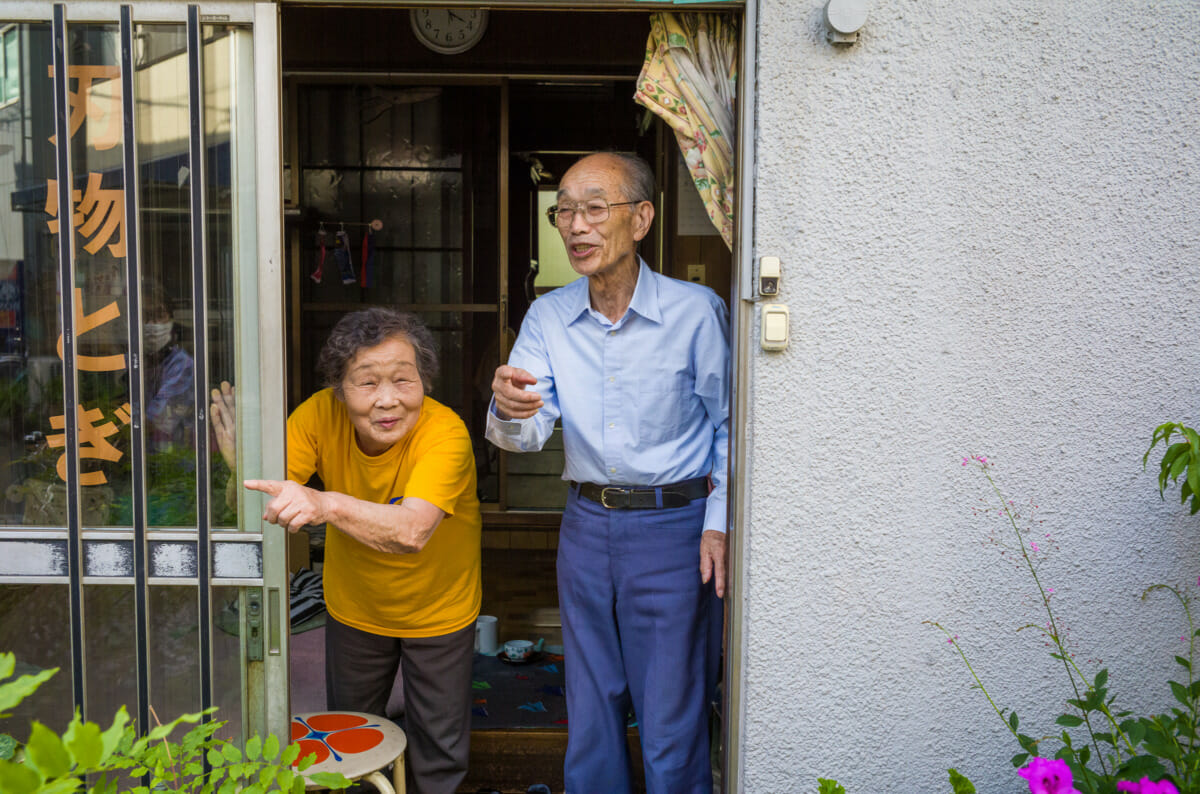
1108 746
1182 459
87 758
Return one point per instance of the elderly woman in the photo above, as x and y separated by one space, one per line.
402 546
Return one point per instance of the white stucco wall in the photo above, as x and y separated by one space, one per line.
988 217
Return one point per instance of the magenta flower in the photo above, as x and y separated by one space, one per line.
1148 786
1047 776
1033 545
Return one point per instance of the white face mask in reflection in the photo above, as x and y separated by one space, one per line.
157 336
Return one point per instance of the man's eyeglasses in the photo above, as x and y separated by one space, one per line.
594 211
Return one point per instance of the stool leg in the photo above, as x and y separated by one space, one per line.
380 782
398 774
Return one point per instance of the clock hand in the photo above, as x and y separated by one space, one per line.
453 15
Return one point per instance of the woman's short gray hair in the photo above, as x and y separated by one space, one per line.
368 328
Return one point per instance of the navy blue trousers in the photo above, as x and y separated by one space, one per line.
639 631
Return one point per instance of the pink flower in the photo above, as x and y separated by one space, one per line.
1033 545
1048 777
1147 786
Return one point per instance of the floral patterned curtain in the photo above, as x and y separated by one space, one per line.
689 80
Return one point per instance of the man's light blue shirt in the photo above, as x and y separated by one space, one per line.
644 400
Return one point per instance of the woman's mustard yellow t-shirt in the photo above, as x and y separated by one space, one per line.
433 592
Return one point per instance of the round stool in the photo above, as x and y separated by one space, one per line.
357 745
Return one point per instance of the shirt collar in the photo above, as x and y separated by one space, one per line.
644 300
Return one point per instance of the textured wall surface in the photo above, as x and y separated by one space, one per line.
988 217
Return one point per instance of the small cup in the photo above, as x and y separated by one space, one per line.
518 650
485 635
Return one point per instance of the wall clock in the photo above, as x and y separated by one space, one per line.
449 30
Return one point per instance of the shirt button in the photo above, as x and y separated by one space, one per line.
611 379
612 470
611 425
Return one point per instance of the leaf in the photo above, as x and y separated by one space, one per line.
231 753
332 779
1180 462
1184 662
254 748
8 746
290 754
215 758
13 692
960 784
1101 678
306 761
46 752
1193 440
63 785
1012 723
284 778
1069 721
18 778
1019 759
1142 766
270 748
338 780
1179 691
85 743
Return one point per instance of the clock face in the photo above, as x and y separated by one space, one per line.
449 30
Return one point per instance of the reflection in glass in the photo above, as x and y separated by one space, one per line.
164 226
228 682
230 241
99 247
30 369
109 648
174 650
32 621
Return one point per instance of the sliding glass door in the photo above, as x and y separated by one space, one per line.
139 269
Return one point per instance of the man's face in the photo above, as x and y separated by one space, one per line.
383 393
598 248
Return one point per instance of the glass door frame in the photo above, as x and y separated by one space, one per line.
254 558
743 299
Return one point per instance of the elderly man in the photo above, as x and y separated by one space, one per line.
637 366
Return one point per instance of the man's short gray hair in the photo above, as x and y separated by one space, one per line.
639 184
368 328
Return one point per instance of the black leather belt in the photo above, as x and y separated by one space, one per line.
631 497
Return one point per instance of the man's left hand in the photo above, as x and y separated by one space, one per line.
713 549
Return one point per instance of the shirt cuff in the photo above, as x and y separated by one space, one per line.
509 427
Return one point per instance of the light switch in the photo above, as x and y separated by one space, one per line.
774 326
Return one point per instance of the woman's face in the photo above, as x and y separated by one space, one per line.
383 393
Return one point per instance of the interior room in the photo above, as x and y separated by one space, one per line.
416 175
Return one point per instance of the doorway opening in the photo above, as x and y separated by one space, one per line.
418 180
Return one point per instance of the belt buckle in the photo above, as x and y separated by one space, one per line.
604 496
